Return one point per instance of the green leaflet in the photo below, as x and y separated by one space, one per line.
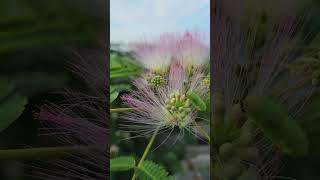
196 101
113 95
152 171
124 163
277 125
11 103
115 90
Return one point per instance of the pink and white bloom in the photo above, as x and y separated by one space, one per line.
167 106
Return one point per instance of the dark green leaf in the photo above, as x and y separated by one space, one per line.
277 125
11 104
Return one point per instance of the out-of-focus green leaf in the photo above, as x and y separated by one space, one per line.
120 87
116 89
277 125
11 104
37 24
113 96
122 163
35 82
6 87
123 67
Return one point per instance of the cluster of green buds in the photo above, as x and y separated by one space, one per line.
232 144
233 153
179 107
155 80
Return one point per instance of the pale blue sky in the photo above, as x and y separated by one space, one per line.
136 19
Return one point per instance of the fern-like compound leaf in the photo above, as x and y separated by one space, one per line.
152 171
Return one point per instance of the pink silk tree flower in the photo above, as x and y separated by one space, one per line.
80 121
165 107
157 53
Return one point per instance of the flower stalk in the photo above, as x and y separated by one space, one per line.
146 151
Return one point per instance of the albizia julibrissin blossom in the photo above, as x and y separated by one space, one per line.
80 121
160 98
156 54
166 106
189 46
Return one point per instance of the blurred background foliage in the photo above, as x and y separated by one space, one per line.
307 167
37 44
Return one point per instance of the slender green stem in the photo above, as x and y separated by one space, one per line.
146 151
38 153
119 110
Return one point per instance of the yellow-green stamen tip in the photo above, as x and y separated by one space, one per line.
179 108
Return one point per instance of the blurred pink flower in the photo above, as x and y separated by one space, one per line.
81 120
187 46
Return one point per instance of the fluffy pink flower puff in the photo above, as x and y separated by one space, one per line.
80 121
190 47
162 103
